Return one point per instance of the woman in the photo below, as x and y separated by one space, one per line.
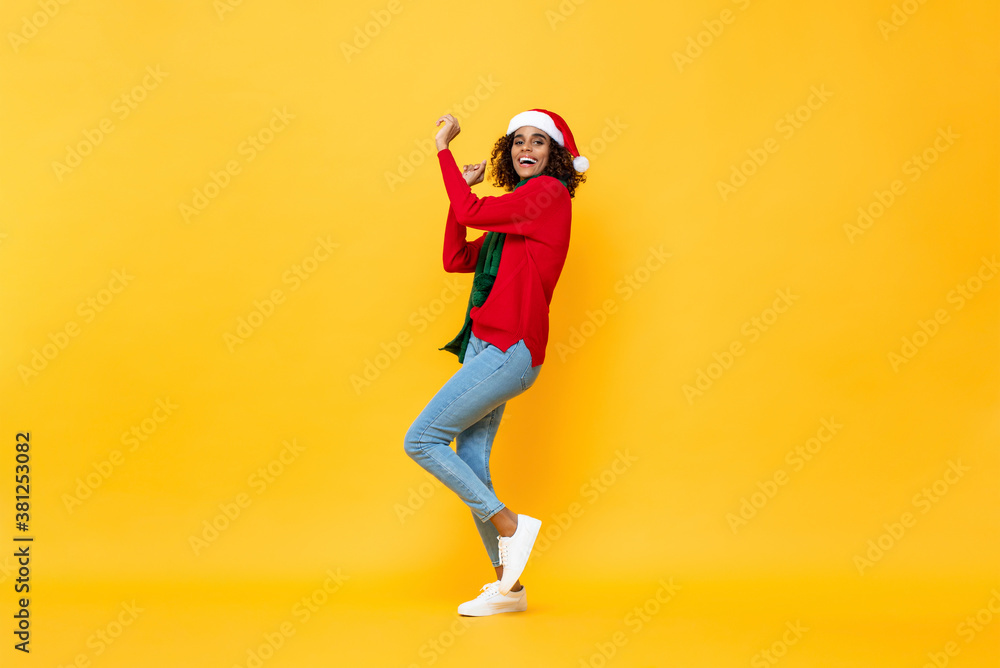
502 344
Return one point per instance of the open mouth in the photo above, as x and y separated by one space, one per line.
526 160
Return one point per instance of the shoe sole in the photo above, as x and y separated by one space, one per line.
506 582
493 612
521 607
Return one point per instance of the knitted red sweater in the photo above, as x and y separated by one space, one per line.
536 219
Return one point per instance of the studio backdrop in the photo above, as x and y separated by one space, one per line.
773 348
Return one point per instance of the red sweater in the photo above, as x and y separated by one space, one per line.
536 220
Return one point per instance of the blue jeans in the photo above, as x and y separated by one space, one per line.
467 409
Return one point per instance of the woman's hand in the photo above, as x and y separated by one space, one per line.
474 174
448 132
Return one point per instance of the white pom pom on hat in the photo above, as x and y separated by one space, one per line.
555 127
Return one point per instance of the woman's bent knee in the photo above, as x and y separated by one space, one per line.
411 442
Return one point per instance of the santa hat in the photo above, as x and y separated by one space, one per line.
555 127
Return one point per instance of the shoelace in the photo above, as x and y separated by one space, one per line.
489 590
504 547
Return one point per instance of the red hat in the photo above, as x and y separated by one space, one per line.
555 127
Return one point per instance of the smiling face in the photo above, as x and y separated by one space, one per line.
530 151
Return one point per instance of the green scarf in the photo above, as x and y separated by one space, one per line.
487 265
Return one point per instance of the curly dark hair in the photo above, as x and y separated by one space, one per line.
560 166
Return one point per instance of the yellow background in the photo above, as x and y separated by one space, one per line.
352 165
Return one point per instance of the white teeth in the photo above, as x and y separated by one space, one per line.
527 161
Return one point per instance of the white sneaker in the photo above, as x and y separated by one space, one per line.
514 550
491 601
